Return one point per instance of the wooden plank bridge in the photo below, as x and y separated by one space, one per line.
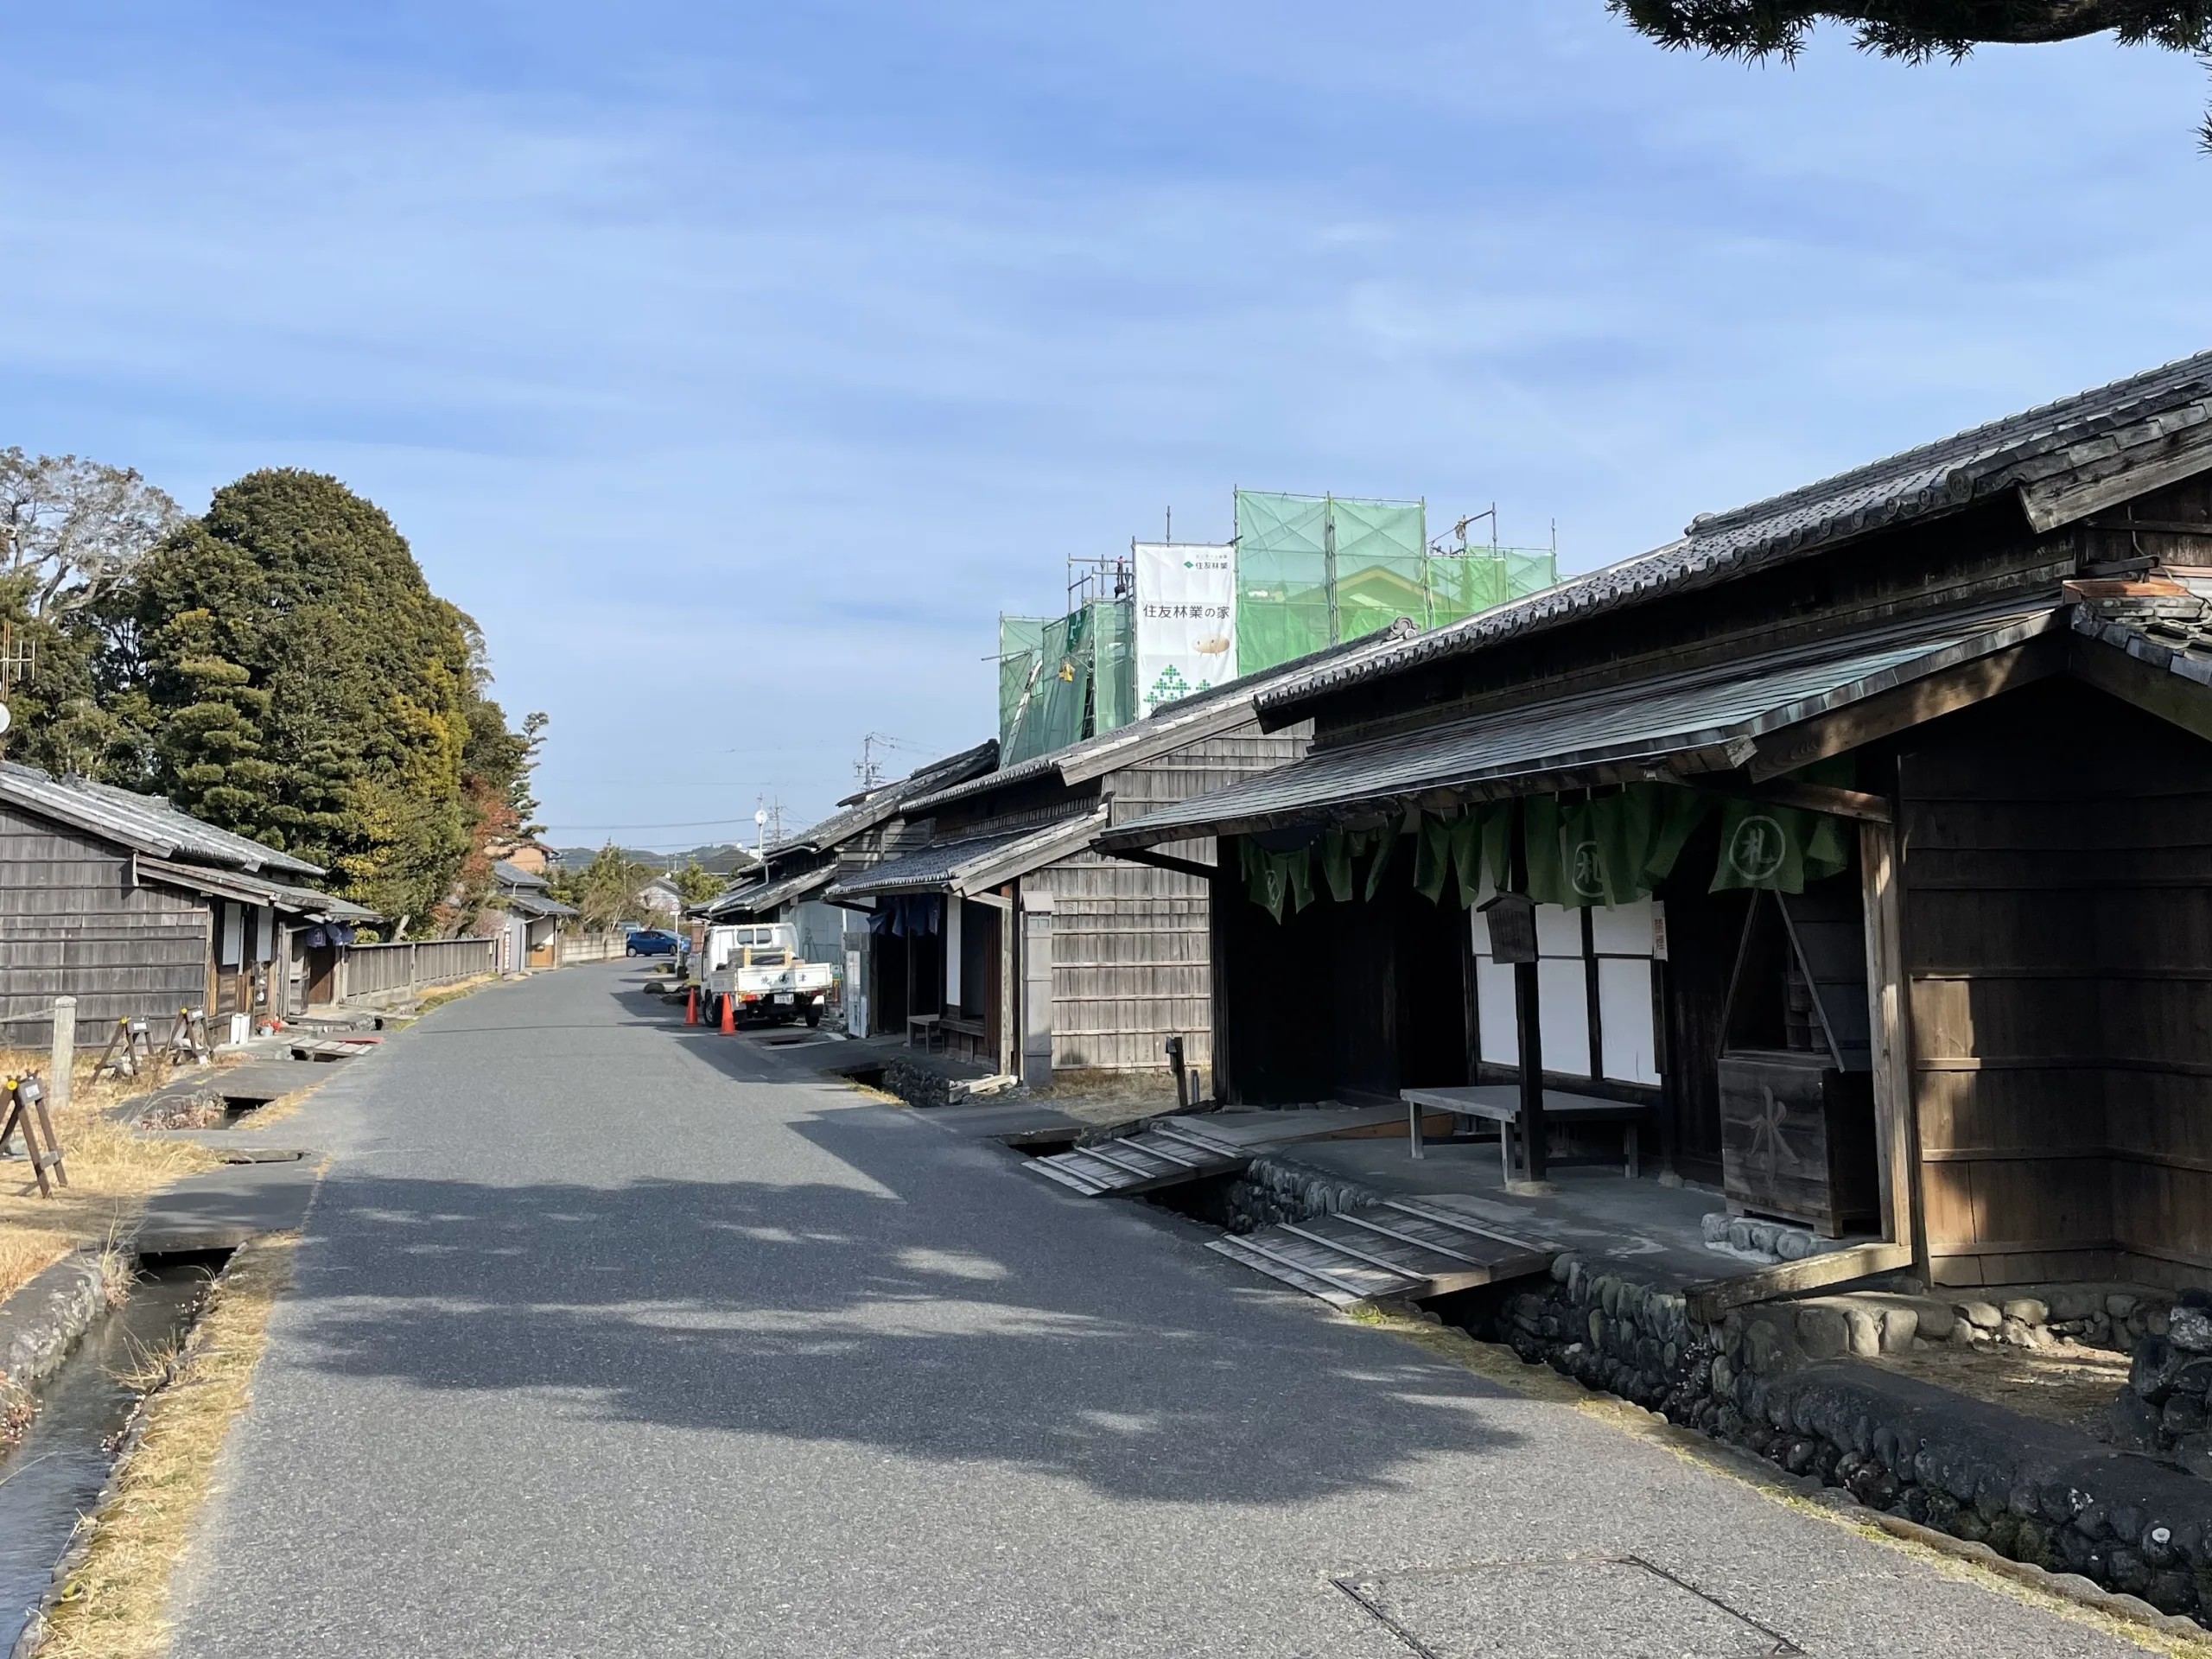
1178 1149
1401 1247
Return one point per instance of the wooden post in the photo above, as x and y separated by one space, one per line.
64 1050
1528 995
1010 982
1895 1122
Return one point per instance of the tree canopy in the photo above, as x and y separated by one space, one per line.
71 530
695 883
611 889
1919 30
280 667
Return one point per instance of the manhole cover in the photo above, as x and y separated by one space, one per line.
1620 1607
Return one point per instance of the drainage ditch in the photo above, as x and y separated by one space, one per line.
56 1473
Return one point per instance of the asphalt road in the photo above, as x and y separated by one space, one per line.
612 1337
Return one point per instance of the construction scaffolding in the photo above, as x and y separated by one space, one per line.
1311 571
1065 678
1316 570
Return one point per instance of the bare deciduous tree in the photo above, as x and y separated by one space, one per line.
73 529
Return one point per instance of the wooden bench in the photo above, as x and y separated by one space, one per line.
1500 1103
962 1035
925 1026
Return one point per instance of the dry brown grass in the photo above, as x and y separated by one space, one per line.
276 1111
25 1252
115 1604
111 1172
2065 1384
430 1000
1097 1083
109 1091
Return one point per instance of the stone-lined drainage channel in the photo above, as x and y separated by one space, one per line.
54 1477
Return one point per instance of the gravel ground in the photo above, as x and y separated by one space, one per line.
614 1337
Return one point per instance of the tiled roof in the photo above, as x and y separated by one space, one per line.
145 823
253 890
754 898
1709 720
884 803
974 862
537 906
2059 458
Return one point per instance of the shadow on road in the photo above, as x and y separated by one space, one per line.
899 1289
823 1313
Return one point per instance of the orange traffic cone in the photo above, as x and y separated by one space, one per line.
691 1007
730 1016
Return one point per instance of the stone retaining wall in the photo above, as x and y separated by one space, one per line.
2164 1410
920 1080
40 1324
1777 1378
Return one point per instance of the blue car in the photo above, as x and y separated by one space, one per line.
650 941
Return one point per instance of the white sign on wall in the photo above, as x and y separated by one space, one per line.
1186 619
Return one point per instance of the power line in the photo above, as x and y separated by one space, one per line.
695 824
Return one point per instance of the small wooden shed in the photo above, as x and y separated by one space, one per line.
136 909
1956 703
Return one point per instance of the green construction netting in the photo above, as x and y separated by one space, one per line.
1020 640
1065 678
1315 571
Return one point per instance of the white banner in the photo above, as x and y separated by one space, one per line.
1186 619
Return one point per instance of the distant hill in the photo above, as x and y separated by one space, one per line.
722 857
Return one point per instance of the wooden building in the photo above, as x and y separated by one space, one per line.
136 909
526 918
790 882
1912 932
1003 932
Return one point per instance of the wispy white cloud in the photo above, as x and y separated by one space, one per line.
736 368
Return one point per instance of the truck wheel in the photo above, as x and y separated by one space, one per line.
814 1016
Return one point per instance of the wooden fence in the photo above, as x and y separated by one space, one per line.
368 970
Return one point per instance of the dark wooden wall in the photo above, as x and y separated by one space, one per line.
1346 1001
2057 876
1703 932
71 927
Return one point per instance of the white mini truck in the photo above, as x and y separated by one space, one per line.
754 966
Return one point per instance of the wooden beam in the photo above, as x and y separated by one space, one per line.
2065 499
1896 1133
1817 797
2171 697
1165 861
1710 1302
2155 526
1826 798
1912 704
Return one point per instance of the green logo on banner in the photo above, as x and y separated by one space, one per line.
1757 849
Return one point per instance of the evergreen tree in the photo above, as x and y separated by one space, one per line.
305 687
695 883
1918 29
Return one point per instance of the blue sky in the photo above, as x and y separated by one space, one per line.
735 365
